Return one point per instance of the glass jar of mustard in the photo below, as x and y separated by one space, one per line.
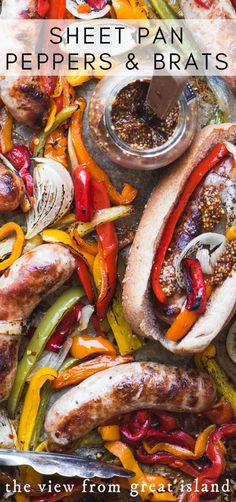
129 133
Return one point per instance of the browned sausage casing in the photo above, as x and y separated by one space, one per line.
25 97
124 389
12 189
22 287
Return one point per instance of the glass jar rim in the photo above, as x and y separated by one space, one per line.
148 152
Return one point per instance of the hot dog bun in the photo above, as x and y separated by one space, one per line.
138 302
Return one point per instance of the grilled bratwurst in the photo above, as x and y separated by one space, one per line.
124 389
25 97
12 189
32 277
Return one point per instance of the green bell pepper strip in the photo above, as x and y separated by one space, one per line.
62 116
70 362
38 341
45 395
163 9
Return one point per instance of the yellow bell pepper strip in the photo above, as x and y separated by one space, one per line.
110 432
26 203
183 453
64 222
68 93
85 369
85 345
5 230
184 321
45 395
31 406
127 341
130 9
128 193
126 457
58 89
97 276
6 125
207 361
38 341
43 446
75 80
89 247
52 115
53 235
231 233
56 146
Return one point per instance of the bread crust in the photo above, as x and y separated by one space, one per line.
138 300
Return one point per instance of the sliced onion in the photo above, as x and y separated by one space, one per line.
72 6
11 327
54 191
103 216
8 164
231 342
217 253
8 436
51 359
6 247
86 313
203 256
7 244
211 239
231 148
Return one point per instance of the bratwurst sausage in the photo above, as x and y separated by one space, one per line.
12 189
32 277
25 97
124 389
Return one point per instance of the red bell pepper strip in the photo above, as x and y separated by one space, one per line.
83 201
48 82
224 432
220 413
19 156
64 328
137 427
195 285
204 3
166 420
43 7
166 459
108 249
96 324
234 3
84 278
97 4
218 152
215 453
179 438
57 9
59 103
